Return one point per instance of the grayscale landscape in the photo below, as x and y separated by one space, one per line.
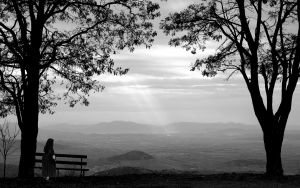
149 93
205 148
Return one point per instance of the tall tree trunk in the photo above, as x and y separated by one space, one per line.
273 127
274 135
28 148
4 167
273 144
29 129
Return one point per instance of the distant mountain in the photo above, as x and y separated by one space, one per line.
124 171
114 127
127 127
187 146
196 127
132 156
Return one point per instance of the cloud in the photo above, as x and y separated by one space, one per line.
160 88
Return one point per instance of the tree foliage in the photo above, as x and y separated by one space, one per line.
259 39
76 41
48 45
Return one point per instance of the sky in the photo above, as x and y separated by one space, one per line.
161 89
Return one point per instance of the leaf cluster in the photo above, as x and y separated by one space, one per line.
70 42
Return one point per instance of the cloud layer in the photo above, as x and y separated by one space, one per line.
160 88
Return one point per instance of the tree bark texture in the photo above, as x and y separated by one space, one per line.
29 129
273 127
273 145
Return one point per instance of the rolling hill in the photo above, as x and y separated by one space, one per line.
131 156
124 171
212 147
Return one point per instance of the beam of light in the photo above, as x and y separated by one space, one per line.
144 99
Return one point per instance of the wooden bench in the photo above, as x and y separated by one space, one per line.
64 159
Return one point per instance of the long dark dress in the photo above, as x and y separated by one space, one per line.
49 166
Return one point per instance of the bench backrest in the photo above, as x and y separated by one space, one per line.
82 158
65 159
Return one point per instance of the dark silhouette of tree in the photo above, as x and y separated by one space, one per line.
260 40
46 44
7 141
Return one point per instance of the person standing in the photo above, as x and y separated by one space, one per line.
48 160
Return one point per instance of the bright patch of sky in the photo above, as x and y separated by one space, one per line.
161 89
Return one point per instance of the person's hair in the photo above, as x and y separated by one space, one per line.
49 145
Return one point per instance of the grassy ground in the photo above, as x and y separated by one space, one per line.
158 180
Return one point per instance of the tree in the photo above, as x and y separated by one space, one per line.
7 141
48 44
258 39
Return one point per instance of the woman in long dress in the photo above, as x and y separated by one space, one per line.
48 160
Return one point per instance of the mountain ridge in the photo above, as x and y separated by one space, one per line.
133 155
128 127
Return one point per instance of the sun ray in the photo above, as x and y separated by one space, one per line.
144 99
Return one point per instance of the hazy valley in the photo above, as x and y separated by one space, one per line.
201 147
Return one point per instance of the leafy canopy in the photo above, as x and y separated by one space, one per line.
243 29
258 38
69 42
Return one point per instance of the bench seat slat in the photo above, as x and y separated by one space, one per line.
64 155
64 162
75 169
